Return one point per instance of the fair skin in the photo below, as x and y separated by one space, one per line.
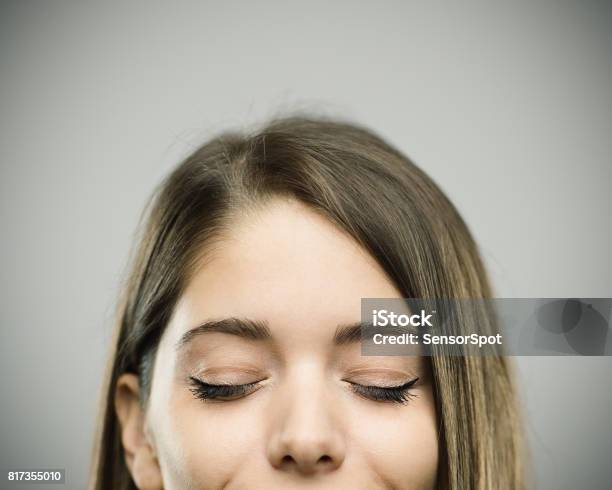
271 296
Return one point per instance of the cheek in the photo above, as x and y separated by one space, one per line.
401 443
203 446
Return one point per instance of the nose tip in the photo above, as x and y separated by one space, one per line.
306 434
323 464
307 456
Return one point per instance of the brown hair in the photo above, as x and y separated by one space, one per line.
388 205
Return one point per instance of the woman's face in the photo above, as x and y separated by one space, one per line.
268 316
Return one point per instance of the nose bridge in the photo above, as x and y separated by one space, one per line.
306 435
308 413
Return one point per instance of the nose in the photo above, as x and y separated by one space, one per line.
305 440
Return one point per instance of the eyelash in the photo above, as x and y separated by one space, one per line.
394 394
223 392
227 392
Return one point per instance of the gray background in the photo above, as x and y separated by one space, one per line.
507 105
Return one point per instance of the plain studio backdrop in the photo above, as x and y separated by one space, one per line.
507 105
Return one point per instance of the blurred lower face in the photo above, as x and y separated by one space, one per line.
267 393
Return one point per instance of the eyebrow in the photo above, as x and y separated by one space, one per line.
259 330
355 332
240 327
347 334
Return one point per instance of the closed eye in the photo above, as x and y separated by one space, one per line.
227 392
395 394
221 392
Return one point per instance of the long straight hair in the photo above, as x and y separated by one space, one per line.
380 198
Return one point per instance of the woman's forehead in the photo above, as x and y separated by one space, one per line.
288 266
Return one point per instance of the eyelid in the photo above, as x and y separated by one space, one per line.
200 380
403 386
394 394
384 378
229 376
209 392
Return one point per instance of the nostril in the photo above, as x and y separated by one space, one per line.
323 463
325 459
287 460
